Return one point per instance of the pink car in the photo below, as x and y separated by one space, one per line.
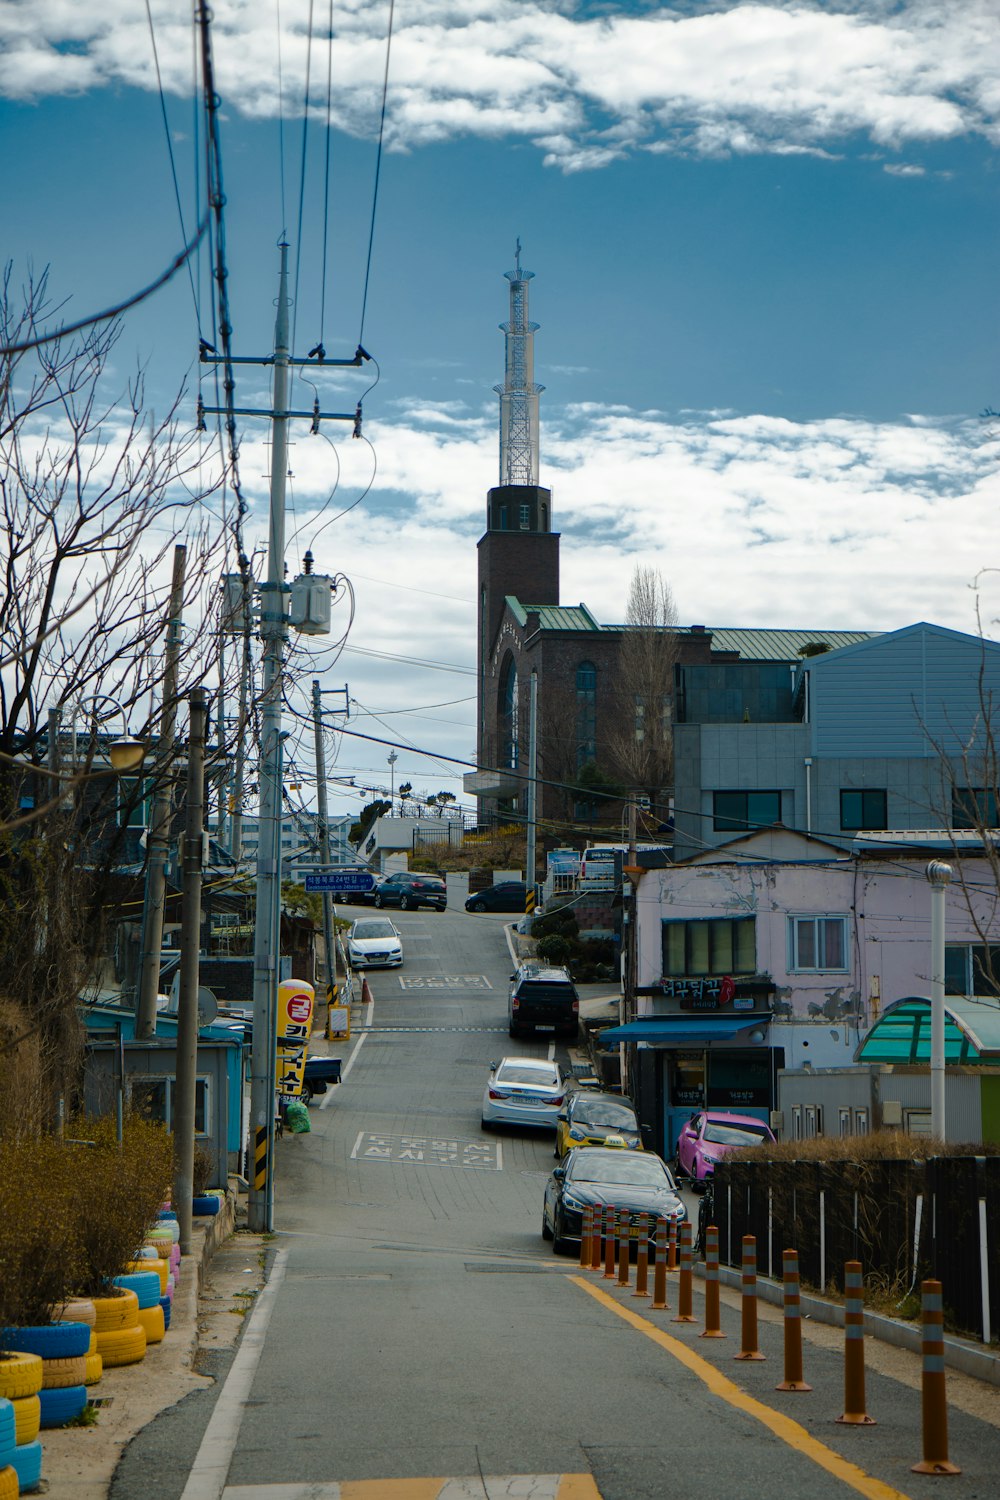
710 1133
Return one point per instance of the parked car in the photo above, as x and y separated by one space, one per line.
359 898
374 942
634 1182
320 1072
710 1133
542 998
591 1118
523 1091
506 895
410 891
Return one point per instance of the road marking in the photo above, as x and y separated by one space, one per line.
783 1427
428 1151
207 1478
470 1487
445 982
416 1030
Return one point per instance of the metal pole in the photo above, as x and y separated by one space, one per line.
939 874
324 840
273 629
236 826
186 1071
532 789
158 845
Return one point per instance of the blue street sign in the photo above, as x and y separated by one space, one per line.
341 880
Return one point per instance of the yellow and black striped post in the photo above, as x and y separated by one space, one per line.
934 1402
260 1161
529 901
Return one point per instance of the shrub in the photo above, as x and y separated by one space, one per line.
123 1187
555 949
41 1254
204 1170
562 921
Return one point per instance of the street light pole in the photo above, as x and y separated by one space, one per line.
324 841
393 757
939 874
186 1069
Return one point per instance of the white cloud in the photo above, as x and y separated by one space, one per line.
787 76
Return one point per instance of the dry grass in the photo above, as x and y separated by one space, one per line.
881 1145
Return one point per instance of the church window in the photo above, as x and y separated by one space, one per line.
586 713
509 716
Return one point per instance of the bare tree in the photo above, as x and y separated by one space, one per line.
94 494
641 740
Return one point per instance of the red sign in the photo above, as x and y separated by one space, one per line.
727 991
300 1007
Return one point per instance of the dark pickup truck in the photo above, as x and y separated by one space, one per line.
320 1073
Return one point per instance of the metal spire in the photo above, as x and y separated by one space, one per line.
519 393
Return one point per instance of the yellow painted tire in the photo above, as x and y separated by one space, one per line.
122 1346
58 1373
161 1268
9 1487
95 1368
27 1417
77 1310
20 1375
118 1312
151 1319
162 1248
93 1341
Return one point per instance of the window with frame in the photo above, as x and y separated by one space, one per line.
586 713
709 947
509 727
153 1099
133 800
525 517
817 944
736 812
971 969
863 808
973 807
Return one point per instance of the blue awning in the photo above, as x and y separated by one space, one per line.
682 1031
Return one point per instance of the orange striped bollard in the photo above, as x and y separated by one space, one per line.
934 1404
854 1348
749 1347
659 1301
713 1327
793 1380
642 1258
610 1222
672 1246
586 1234
685 1283
597 1223
624 1247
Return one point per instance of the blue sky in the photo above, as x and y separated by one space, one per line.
764 238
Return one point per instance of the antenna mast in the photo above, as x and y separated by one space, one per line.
519 393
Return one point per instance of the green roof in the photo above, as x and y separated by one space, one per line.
553 616
902 1034
780 645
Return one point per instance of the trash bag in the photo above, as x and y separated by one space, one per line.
297 1117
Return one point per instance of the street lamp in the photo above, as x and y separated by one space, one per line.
393 757
939 875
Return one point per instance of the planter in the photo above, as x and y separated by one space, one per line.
115 1312
27 1463
165 1303
62 1405
48 1340
20 1375
151 1319
10 1485
77 1310
145 1284
27 1416
205 1204
123 1346
58 1373
95 1368
154 1267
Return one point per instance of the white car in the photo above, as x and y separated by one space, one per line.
523 1091
374 942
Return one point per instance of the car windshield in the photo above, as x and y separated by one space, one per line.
735 1135
605 1112
633 1171
520 1073
374 929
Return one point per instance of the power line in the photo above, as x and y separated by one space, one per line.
378 170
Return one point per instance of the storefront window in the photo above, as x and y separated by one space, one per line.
688 1080
739 1080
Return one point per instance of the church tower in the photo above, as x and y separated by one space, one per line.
519 553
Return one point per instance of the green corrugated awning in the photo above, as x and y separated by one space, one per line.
902 1034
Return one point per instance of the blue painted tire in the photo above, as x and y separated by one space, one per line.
205 1204
27 1460
62 1405
8 1430
49 1340
165 1303
145 1284
166 1214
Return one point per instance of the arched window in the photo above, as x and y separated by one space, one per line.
586 713
508 725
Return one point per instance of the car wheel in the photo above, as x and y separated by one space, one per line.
378 900
404 903
560 1245
546 1231
477 906
488 1124
307 1093
513 1031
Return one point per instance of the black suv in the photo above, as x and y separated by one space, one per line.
542 998
410 891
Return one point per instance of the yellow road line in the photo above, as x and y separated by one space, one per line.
783 1427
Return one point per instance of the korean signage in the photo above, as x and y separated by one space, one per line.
718 993
296 999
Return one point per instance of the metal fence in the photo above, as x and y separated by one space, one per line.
904 1220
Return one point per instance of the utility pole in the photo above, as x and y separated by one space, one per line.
158 844
324 841
529 883
186 1071
939 875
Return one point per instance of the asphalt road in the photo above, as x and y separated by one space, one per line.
418 1326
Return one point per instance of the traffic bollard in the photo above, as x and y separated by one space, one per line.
596 1245
672 1246
855 1414
934 1404
586 1234
793 1380
749 1346
713 1326
610 1226
624 1247
685 1282
642 1257
659 1301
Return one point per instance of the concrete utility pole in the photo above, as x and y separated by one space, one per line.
531 856
324 840
158 844
939 874
186 1073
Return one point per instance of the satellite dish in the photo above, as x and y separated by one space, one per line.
208 1006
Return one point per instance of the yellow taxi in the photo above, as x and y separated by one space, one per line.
590 1118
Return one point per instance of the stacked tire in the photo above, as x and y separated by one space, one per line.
121 1338
146 1285
62 1348
20 1416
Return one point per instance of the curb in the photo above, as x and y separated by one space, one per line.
959 1354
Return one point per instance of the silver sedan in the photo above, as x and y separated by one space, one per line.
523 1091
